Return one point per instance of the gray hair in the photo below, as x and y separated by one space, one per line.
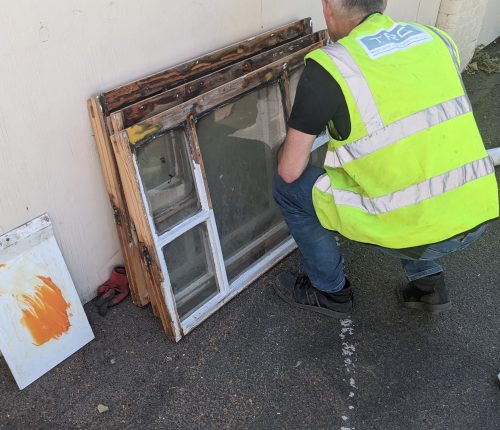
359 7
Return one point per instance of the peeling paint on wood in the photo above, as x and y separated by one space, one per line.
131 253
144 229
207 101
149 107
150 115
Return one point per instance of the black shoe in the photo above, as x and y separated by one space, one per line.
298 291
426 294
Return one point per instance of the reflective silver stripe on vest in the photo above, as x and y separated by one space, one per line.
453 53
412 195
323 184
398 131
448 44
357 84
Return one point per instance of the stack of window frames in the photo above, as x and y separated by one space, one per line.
188 156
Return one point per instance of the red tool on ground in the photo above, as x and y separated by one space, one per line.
113 291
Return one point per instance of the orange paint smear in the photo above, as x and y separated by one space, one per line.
46 314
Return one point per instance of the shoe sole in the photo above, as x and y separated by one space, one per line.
419 306
433 309
322 311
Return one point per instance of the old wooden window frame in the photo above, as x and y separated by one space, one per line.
133 123
100 107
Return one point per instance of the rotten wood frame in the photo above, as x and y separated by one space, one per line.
131 121
185 115
128 94
129 245
101 106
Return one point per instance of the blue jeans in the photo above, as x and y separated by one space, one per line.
323 261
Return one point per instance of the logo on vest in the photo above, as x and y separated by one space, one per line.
398 38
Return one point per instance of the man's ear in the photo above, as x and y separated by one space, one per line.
326 7
385 5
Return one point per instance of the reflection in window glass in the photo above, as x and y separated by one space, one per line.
318 156
191 270
239 142
165 170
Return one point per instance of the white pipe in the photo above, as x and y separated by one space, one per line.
495 155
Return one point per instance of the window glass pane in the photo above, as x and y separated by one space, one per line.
239 143
165 170
191 270
294 82
318 156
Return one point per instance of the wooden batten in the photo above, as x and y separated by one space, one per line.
131 93
130 250
151 106
205 102
285 93
139 215
196 154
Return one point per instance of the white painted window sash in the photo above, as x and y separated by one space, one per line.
205 216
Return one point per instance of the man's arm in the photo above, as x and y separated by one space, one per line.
293 155
318 100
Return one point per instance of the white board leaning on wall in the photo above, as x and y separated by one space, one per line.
42 321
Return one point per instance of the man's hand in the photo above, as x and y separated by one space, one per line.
293 155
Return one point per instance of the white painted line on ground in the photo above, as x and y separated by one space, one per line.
349 356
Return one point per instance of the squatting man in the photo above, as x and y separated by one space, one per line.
406 169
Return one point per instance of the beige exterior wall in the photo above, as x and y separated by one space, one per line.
491 23
464 20
424 11
55 54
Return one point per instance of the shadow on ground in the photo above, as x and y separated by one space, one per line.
259 364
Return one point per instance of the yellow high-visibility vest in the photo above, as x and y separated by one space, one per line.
414 169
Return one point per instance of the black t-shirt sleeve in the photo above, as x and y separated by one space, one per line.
318 100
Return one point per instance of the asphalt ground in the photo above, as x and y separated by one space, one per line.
261 364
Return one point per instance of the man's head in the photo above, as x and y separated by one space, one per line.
342 16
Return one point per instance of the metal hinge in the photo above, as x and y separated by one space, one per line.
147 256
118 215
